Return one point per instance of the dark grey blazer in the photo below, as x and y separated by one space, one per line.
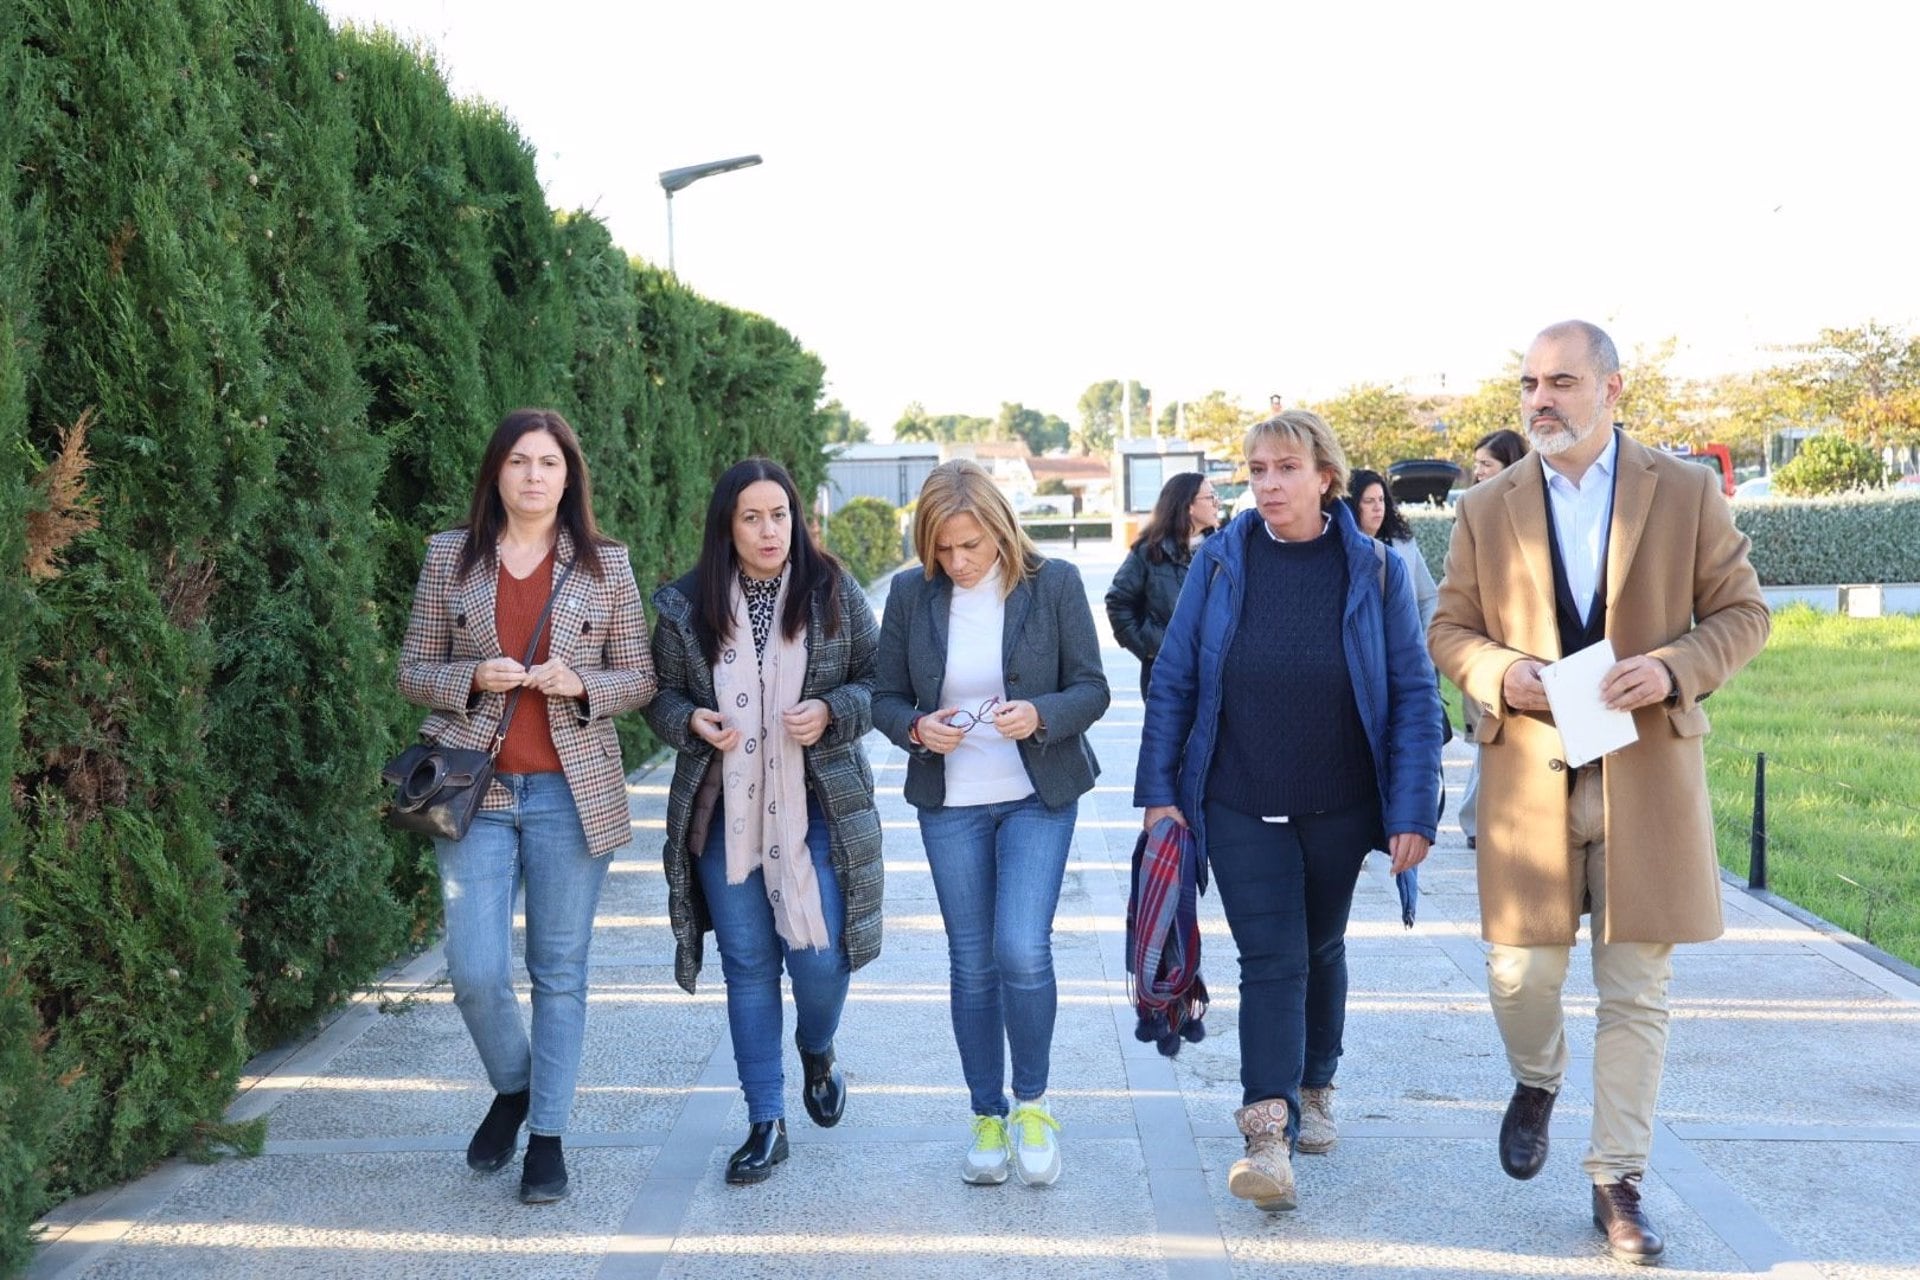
1051 657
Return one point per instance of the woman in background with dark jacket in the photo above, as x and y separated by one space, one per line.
765 654
1148 581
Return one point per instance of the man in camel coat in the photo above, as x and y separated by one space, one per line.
1593 536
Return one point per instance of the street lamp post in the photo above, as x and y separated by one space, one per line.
672 180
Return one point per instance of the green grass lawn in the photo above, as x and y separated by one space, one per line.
1834 702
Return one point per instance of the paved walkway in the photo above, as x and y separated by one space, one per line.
1788 1144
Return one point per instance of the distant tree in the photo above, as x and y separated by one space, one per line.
1377 426
964 428
838 426
1652 405
914 424
1862 384
1041 431
1492 406
1052 486
1100 417
1829 464
1218 423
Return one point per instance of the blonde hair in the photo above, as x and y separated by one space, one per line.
1307 430
963 488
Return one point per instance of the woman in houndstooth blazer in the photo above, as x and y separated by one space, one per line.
558 801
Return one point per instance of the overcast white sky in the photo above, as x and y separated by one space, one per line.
964 204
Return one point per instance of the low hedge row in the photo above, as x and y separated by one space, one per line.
865 534
1854 538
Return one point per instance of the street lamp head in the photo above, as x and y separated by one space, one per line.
672 180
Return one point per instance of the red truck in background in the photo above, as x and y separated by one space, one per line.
1714 455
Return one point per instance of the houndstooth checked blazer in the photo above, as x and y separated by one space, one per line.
597 627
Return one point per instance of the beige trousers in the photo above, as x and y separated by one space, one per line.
1630 1035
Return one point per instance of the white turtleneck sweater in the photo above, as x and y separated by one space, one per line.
985 768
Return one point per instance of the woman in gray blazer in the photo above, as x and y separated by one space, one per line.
989 675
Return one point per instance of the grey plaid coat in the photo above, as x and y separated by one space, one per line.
597 627
840 673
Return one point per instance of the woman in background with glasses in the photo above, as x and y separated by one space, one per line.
1148 581
989 675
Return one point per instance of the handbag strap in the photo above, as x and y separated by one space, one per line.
533 646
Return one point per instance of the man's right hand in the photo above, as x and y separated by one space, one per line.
1160 811
1521 689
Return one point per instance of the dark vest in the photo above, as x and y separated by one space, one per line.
1576 635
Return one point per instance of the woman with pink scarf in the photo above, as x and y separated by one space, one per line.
765 655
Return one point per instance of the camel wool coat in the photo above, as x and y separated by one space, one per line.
1678 587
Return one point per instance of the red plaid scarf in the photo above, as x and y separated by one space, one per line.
1163 938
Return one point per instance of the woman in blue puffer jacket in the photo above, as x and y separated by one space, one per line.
1293 723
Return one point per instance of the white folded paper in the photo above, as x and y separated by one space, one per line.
1588 727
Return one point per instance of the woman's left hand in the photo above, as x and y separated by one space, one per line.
555 679
1407 850
806 721
1016 720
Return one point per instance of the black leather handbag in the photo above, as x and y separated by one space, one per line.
438 790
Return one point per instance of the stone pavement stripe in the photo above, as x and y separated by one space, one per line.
274 1076
1163 1127
1726 1211
1186 1224
86 1228
652 1223
102 1220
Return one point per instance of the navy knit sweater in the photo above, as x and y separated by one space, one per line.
1291 740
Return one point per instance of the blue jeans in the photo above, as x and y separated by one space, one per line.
751 954
997 870
537 842
1287 888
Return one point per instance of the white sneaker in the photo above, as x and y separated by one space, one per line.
986 1162
1036 1151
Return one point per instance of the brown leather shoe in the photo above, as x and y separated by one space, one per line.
1616 1211
1523 1133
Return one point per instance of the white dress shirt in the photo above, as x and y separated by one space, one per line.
1581 515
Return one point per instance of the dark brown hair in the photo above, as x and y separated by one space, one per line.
1172 519
1393 526
814 570
487 515
1506 445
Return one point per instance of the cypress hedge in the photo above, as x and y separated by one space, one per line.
25 1115
264 290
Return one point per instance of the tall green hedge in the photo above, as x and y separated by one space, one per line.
24 1111
294 284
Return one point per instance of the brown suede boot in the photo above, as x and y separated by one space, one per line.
1265 1174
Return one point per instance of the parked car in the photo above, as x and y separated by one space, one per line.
1418 481
1758 487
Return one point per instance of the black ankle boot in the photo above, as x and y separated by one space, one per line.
765 1147
543 1178
826 1089
494 1140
